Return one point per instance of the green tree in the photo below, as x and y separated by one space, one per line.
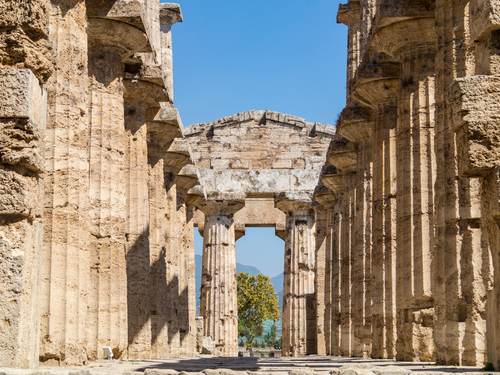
257 302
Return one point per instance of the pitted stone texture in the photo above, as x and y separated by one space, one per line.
259 140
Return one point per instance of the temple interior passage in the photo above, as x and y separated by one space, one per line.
389 217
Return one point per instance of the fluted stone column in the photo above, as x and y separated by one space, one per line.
335 266
299 312
186 179
324 279
107 313
374 123
218 286
463 239
65 261
343 155
140 95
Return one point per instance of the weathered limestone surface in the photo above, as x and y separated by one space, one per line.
23 121
299 310
218 286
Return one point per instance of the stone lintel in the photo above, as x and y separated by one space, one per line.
391 12
409 34
350 13
224 204
170 13
474 103
356 124
164 125
334 182
485 18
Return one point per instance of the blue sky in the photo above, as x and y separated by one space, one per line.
232 56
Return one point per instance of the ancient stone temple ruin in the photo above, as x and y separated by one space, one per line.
390 218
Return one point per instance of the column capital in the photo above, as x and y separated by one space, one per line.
222 206
400 37
343 155
170 13
295 203
324 196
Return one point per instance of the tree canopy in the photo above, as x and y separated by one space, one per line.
257 302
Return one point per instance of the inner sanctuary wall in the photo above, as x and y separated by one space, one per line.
390 218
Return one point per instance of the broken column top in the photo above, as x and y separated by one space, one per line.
170 13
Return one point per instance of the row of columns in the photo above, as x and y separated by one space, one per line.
407 258
116 261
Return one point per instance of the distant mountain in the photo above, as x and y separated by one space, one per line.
252 271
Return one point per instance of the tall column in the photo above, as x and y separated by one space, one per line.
25 67
66 268
299 312
140 95
185 181
218 286
416 176
321 245
324 275
107 313
343 155
336 183
376 87
462 238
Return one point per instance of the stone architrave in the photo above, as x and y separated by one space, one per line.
218 286
299 310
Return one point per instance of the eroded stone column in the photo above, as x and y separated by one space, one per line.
140 95
218 287
324 275
107 318
185 181
462 237
22 130
25 67
66 268
299 310
371 124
